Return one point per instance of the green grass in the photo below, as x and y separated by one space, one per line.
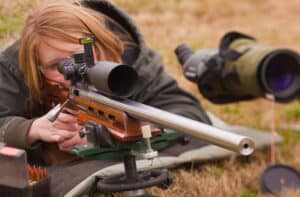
232 109
219 170
292 111
248 193
11 23
291 138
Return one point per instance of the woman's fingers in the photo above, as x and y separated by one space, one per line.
66 121
64 135
66 118
54 138
75 140
70 111
66 126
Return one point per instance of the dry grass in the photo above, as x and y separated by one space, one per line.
201 24
231 177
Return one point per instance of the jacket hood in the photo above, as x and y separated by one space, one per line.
119 16
143 59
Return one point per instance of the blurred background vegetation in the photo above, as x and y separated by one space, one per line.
201 24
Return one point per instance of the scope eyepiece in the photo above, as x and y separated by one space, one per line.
183 53
70 70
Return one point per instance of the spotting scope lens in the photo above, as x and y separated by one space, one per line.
280 78
280 74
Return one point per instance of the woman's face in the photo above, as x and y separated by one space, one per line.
51 51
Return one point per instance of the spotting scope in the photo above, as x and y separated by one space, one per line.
242 69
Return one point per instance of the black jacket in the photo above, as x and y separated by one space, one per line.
155 87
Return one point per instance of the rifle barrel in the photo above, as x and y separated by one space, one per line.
235 142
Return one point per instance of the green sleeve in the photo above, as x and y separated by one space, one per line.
15 132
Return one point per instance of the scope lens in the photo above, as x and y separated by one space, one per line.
122 80
282 73
280 77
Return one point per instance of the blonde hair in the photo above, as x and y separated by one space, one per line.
66 22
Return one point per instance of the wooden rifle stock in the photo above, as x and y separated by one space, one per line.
121 126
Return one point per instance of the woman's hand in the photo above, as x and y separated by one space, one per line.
68 143
64 130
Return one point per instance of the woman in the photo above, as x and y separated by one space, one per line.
50 34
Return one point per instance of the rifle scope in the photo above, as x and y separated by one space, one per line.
107 77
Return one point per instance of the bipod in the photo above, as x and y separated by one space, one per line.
132 182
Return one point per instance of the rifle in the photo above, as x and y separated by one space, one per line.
100 95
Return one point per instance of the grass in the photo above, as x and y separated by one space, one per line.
11 25
292 112
12 14
201 24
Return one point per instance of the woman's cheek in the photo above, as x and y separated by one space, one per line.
55 76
